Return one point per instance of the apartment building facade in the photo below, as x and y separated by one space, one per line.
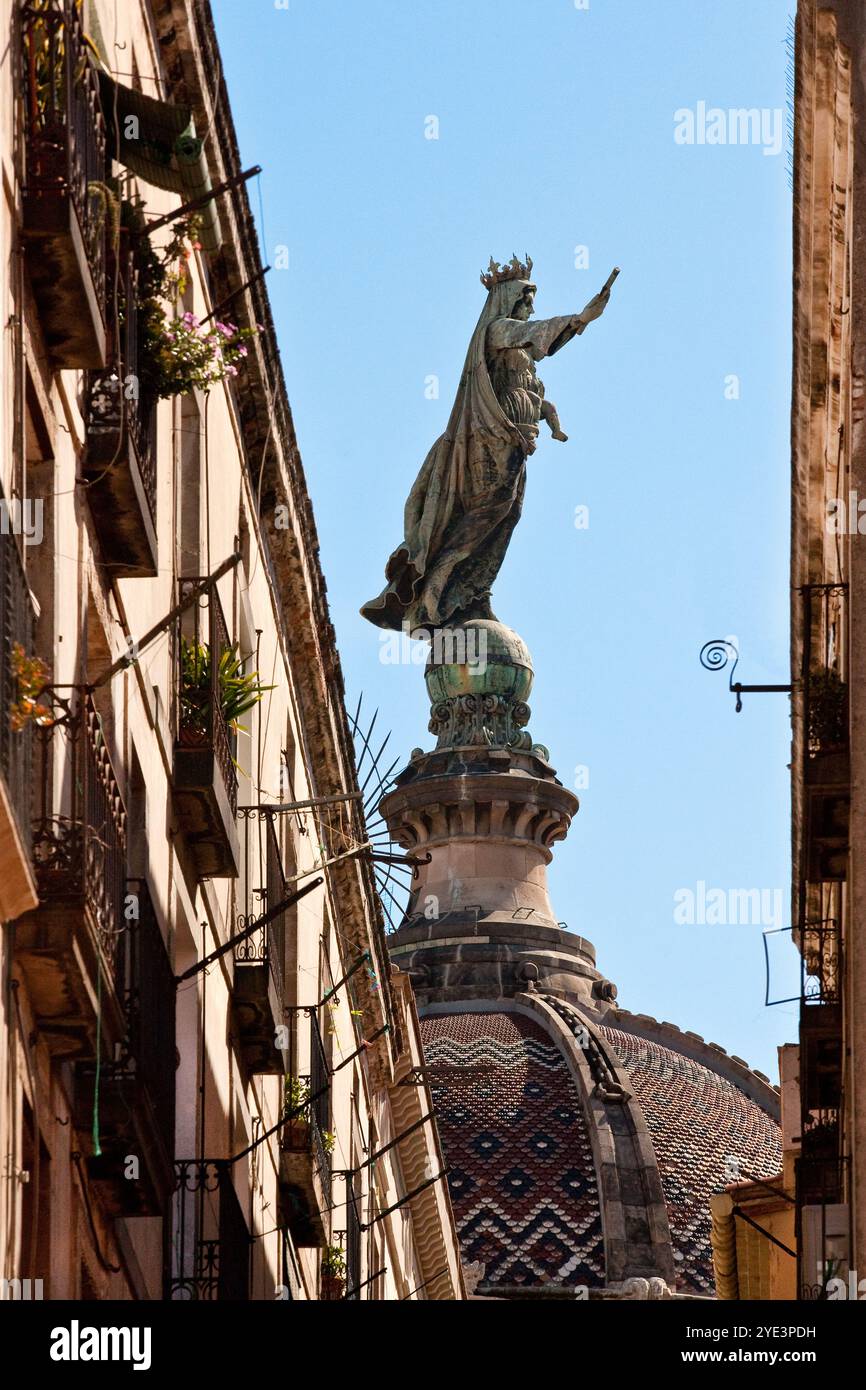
211 1080
828 592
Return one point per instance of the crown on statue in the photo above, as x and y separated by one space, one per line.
512 270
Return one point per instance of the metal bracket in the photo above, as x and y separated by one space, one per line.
715 656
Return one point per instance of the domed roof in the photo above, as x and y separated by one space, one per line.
703 1129
581 1153
522 1178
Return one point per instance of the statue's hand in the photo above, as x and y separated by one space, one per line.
595 308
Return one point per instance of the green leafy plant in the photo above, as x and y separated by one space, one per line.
328 1141
31 677
296 1098
239 689
105 208
46 61
183 354
333 1262
828 710
177 352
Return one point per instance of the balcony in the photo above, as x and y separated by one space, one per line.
119 463
133 1098
67 947
305 1160
257 991
17 880
353 1244
825 740
209 1249
64 181
821 1060
205 780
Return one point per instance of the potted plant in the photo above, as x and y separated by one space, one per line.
333 1274
296 1114
182 354
238 690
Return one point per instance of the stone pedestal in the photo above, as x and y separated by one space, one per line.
480 814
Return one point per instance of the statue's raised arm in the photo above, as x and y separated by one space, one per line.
468 496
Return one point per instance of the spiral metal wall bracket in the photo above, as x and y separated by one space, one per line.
715 656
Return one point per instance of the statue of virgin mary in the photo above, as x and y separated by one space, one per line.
468 496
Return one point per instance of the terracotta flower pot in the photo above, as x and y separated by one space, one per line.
296 1135
332 1287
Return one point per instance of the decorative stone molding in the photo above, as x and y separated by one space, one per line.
471 721
443 804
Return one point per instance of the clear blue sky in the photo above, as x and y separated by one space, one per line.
556 129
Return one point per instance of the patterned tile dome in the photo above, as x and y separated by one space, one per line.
522 1177
517 1100
704 1129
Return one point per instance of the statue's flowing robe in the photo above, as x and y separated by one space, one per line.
468 495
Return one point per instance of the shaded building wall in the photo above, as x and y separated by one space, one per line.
227 474
828 579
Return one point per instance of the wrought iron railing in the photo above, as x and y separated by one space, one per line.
117 405
142 407
353 1243
316 1085
64 127
79 825
145 985
824 669
822 1221
208 1254
203 641
320 1093
821 962
16 639
262 860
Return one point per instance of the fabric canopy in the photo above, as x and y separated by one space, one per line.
157 141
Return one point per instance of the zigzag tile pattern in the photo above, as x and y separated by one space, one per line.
522 1177
696 1120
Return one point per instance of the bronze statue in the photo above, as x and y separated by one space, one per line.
468 496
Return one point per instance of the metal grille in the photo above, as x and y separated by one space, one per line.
65 130
260 840
353 1243
275 893
116 407
320 1091
79 832
208 1258
204 637
16 630
145 983
824 673
141 408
